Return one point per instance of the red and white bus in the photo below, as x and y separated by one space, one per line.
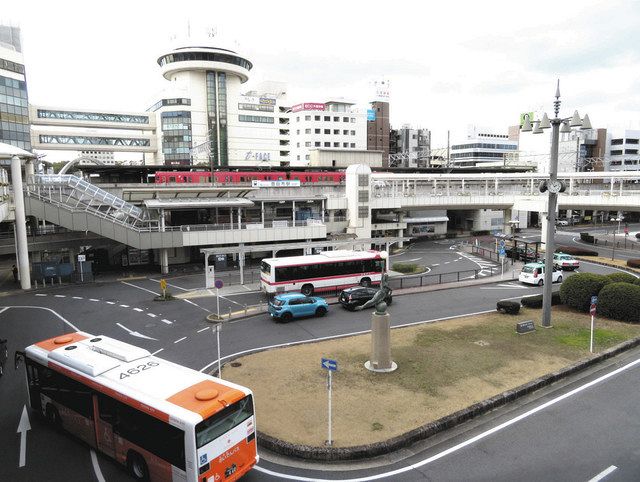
326 271
163 421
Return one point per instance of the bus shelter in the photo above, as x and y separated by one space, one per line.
522 249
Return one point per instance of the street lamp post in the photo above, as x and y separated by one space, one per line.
553 186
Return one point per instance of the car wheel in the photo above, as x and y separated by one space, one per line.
366 282
321 311
137 466
559 279
307 290
540 283
286 317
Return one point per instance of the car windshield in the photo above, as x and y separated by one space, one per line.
277 302
528 269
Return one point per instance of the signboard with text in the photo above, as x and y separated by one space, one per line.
279 183
307 106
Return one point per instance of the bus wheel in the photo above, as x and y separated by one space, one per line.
307 290
53 416
366 282
137 466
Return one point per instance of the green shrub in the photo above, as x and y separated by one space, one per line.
576 291
620 301
508 306
620 277
482 232
405 267
587 238
633 263
536 301
576 251
450 235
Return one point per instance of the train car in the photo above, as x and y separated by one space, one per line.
246 177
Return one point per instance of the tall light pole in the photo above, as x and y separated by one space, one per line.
553 186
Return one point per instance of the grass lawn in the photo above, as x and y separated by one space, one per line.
442 367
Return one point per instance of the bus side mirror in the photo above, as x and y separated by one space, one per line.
17 358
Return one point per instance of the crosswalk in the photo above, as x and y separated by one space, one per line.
486 266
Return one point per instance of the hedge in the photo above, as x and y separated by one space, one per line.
536 301
633 263
620 301
482 232
405 267
576 291
576 251
450 235
509 307
587 238
622 278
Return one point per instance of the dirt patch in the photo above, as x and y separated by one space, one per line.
442 367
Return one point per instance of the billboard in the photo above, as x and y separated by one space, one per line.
371 115
307 106
530 114
276 183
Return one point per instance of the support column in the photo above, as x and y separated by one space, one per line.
241 262
400 231
486 187
507 214
293 212
29 171
322 210
239 218
262 212
544 228
495 186
164 252
571 180
611 188
21 231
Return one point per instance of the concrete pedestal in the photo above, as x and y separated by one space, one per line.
380 344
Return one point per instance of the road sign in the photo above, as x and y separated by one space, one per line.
592 310
626 231
329 364
82 258
163 284
502 243
219 284
594 300
502 252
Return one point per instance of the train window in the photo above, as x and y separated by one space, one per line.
172 179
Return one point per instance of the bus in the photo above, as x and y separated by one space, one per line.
162 421
325 271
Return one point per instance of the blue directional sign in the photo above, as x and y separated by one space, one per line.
329 364
594 300
502 243
502 252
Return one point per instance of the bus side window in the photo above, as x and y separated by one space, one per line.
107 409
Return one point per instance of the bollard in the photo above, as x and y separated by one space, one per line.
245 309
229 312
59 280
36 283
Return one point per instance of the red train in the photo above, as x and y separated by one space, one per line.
239 177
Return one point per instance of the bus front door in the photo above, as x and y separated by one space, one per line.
104 416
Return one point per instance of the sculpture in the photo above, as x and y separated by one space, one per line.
379 298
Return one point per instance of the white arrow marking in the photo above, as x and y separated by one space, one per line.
414 259
135 333
23 426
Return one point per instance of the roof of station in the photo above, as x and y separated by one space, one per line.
198 203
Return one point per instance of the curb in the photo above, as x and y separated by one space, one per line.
425 431
621 268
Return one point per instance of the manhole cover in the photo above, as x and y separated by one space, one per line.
236 364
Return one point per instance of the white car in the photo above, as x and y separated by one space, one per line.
565 261
562 222
533 274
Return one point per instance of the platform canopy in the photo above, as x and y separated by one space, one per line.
198 203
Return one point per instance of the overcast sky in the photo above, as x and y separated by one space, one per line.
450 64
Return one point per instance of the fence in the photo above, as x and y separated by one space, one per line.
492 255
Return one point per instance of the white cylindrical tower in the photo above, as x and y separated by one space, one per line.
207 80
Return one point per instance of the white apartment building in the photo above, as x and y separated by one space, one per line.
104 157
622 150
335 124
413 147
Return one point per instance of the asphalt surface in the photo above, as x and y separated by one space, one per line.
177 331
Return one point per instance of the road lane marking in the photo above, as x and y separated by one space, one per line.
603 474
4 309
96 466
169 284
157 351
23 427
467 442
135 333
124 306
77 297
138 310
140 288
93 299
48 309
110 302
151 315
179 340
435 264
411 260
200 331
59 296
40 294
164 320
231 301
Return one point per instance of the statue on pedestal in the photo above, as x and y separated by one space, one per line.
379 298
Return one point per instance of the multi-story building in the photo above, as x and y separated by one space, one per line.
107 157
335 124
14 105
622 150
411 147
378 129
481 147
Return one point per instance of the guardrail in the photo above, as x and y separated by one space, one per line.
490 254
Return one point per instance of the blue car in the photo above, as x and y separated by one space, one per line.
295 305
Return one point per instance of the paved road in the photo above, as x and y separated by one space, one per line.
177 331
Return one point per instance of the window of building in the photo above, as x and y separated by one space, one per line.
336 119
345 132
318 131
298 157
353 119
307 157
255 118
336 144
336 132
616 152
327 144
307 131
297 119
345 144
632 141
327 131
307 117
617 142
631 151
297 144
353 133
327 118
345 119
363 212
363 196
298 131
307 144
353 145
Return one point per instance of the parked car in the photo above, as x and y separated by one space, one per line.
533 274
562 222
521 254
359 295
288 306
565 261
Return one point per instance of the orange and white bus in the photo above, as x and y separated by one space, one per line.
325 271
163 421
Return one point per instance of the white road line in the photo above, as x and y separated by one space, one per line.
151 315
200 331
157 351
603 474
48 309
4 309
447 262
167 321
93 299
410 260
124 306
198 306
40 294
59 296
140 288
435 264
96 466
110 302
138 310
179 340
231 301
169 284
78 298
470 441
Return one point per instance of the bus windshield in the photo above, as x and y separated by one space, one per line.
265 268
223 421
